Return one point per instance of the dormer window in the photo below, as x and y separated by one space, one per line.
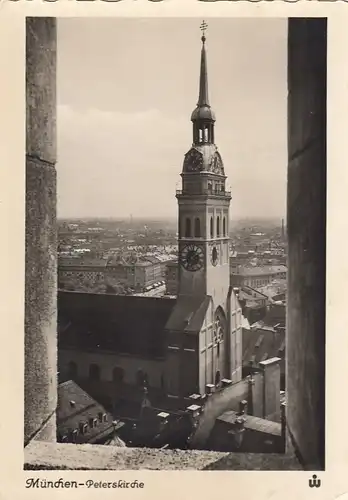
83 428
93 422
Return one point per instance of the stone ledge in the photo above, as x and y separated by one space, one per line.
50 456
255 461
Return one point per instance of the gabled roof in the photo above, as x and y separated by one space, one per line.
248 291
253 423
75 406
188 314
106 322
260 344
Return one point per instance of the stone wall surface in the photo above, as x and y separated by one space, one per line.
40 234
306 227
94 457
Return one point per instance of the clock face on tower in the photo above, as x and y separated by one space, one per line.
214 256
192 257
193 161
216 165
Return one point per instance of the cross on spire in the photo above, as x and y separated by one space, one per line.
203 27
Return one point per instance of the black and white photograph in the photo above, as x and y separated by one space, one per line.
175 254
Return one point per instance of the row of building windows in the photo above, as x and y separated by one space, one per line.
142 378
71 436
220 231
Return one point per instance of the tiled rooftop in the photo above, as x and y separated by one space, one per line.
253 423
261 271
76 407
117 323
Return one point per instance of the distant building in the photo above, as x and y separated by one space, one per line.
80 419
158 428
276 314
144 272
257 277
260 343
253 421
239 259
235 432
254 303
172 277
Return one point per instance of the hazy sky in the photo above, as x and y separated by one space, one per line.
126 90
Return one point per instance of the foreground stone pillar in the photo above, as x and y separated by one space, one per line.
40 234
306 229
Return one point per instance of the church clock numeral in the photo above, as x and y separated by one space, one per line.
192 257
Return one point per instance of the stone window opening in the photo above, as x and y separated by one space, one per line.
218 226
212 227
188 232
197 227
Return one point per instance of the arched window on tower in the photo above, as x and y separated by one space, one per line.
200 135
224 226
94 372
205 134
188 227
211 227
218 226
117 375
197 228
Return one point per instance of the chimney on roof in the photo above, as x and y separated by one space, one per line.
250 405
242 407
237 431
270 370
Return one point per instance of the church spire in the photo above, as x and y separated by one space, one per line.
203 99
203 117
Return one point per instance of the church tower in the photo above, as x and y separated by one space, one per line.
204 329
204 206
